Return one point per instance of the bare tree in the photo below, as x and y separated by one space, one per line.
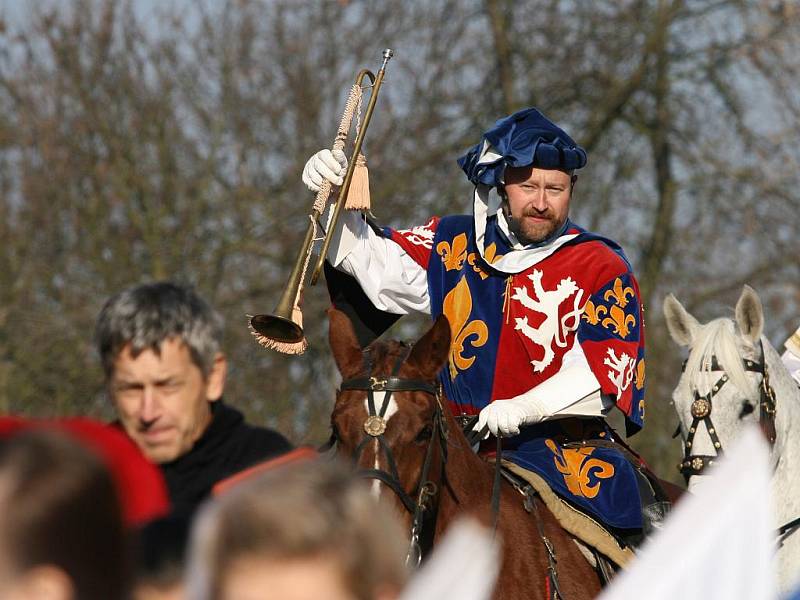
136 147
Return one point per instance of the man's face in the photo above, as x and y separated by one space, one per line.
537 202
163 400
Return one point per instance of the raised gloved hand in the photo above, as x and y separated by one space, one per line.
325 164
505 417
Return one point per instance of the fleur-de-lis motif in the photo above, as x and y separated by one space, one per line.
457 307
579 470
593 313
453 256
618 320
490 256
619 293
639 381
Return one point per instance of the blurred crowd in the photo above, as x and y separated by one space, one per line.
180 497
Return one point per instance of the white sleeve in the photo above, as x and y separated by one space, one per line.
390 278
572 392
792 364
791 358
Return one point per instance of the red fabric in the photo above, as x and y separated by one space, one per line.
417 241
589 267
297 455
139 483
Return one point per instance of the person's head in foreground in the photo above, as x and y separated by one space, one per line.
61 529
308 531
159 344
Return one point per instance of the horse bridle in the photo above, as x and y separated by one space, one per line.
419 503
375 426
694 464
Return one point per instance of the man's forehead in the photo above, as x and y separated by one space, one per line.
521 174
169 355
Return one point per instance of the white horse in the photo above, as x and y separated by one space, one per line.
733 376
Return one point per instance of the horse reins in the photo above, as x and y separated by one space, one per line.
375 426
695 464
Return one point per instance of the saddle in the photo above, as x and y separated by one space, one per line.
616 545
607 542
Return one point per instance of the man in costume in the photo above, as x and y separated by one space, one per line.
160 348
545 316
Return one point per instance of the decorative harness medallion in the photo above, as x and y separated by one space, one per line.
374 425
701 408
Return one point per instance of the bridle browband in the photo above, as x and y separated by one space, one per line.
695 464
418 503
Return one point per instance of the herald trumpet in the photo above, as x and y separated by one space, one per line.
283 329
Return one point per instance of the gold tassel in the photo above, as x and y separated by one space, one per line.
283 347
358 194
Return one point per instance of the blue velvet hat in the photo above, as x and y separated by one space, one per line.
524 138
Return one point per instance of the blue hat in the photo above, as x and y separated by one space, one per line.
526 137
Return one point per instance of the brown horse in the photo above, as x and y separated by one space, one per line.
391 418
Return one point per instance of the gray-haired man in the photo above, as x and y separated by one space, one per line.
160 350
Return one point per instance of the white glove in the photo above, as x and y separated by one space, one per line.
505 417
325 164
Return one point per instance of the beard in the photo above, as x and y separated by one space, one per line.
534 232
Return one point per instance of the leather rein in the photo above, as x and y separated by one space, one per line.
418 504
694 464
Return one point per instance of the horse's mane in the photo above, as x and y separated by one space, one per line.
717 338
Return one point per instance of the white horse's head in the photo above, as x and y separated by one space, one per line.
721 390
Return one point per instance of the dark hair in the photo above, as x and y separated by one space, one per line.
160 556
59 507
146 315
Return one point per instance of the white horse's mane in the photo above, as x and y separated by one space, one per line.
717 338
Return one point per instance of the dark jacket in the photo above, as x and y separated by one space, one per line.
228 446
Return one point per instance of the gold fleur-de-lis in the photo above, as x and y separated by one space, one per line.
457 307
618 320
490 256
639 375
619 293
578 469
592 312
453 256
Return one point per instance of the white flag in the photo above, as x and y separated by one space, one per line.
717 544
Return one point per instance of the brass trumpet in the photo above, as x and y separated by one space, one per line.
283 329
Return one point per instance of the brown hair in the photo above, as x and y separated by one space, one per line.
58 506
312 509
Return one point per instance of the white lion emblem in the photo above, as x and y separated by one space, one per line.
621 373
421 235
552 328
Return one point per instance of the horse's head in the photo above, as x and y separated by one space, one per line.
388 412
725 381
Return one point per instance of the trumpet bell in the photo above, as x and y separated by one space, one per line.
277 328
